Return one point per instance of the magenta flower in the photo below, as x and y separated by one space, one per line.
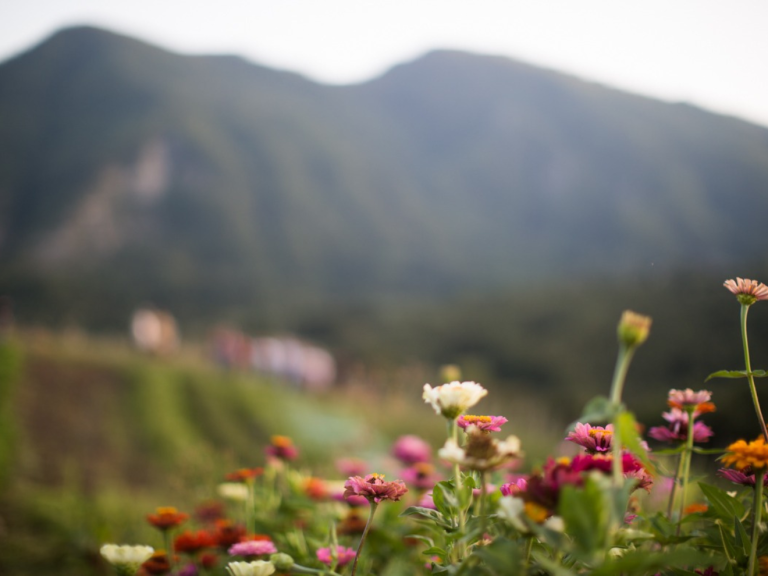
426 501
282 448
410 449
745 477
514 488
594 439
747 291
677 429
351 466
421 476
374 488
343 555
252 548
484 423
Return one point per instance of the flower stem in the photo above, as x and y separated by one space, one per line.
483 519
686 465
750 378
759 476
374 505
617 387
673 489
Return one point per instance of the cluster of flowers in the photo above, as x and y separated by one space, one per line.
456 507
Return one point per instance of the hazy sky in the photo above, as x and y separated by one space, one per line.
713 53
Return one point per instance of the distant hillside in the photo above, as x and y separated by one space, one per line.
222 189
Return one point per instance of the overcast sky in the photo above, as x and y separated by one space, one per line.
713 53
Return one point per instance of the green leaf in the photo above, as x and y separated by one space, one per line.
641 562
742 540
586 513
724 506
737 374
502 557
626 426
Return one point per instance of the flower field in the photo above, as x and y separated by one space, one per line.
458 492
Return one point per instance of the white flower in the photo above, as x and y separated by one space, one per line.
126 555
452 399
555 523
233 491
482 451
254 568
513 511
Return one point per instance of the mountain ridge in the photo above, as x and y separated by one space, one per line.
220 187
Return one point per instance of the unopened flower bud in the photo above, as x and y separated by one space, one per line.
283 562
633 329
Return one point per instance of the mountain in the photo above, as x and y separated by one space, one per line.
220 189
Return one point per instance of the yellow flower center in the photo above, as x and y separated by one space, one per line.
595 432
477 419
535 512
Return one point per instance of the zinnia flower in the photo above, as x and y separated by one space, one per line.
252 548
167 517
421 476
192 542
741 454
244 474
254 568
454 398
514 488
158 563
482 451
745 477
747 291
687 398
595 439
374 488
282 448
125 558
233 491
484 423
410 449
343 555
677 430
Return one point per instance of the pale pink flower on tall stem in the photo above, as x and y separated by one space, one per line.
374 488
747 291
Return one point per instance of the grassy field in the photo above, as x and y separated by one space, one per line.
96 435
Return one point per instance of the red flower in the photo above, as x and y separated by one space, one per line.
191 542
244 474
166 518
227 533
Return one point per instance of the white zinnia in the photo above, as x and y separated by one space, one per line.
254 568
452 399
233 491
126 555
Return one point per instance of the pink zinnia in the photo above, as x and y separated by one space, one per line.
687 398
514 488
747 291
351 466
427 501
595 439
343 555
421 476
374 488
745 477
252 548
410 449
677 429
484 423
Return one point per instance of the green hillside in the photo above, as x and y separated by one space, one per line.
221 189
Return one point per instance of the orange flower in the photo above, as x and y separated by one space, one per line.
741 454
695 507
166 518
157 564
244 474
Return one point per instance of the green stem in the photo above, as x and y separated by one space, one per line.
168 547
759 476
750 378
483 519
617 387
673 490
686 455
374 505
